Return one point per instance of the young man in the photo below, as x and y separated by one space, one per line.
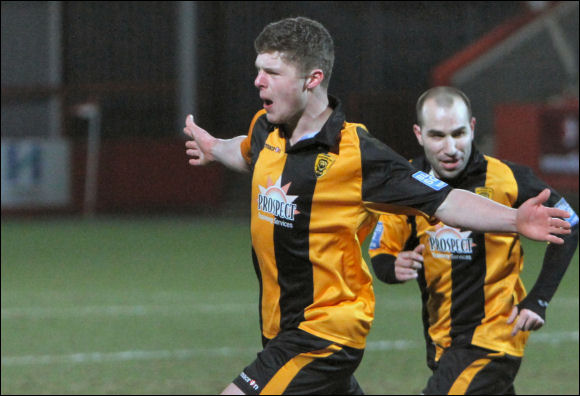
316 180
470 281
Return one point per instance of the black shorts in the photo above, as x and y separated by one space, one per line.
470 370
296 362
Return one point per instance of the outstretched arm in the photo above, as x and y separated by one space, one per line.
464 209
204 148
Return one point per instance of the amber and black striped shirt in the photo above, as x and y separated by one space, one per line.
313 204
470 280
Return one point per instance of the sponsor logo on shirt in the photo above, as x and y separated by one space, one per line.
562 204
450 243
429 181
273 200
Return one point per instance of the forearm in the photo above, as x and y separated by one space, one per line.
556 261
227 152
467 210
384 267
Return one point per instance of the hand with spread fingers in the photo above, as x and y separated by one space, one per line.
539 222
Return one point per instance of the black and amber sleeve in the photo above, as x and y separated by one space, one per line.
249 146
391 185
557 257
389 239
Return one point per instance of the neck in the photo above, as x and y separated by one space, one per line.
312 119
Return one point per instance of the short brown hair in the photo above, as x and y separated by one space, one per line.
302 41
444 96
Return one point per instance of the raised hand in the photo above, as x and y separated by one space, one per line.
539 222
200 148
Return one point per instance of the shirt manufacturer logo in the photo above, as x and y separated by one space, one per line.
253 384
274 200
322 164
543 303
272 148
450 243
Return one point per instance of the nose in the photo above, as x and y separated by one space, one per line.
260 80
449 146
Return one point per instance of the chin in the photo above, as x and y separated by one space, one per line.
447 175
273 118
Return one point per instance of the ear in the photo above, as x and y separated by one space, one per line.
472 125
314 79
417 132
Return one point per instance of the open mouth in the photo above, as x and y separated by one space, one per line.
267 104
449 165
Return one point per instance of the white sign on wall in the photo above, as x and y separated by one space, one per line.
35 173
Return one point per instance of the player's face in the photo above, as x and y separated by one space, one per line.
446 136
282 88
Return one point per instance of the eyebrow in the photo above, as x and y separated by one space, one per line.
268 70
436 131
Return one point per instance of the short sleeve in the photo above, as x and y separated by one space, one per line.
246 145
390 235
392 185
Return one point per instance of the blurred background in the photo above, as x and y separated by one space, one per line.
127 271
94 94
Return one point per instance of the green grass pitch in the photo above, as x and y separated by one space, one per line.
169 306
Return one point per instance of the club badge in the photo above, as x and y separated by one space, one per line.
322 164
486 192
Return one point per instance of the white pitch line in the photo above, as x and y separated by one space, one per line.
186 308
123 310
100 357
184 354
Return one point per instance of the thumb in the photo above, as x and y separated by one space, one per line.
419 249
541 197
189 126
513 315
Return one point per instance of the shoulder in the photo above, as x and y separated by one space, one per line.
260 123
523 179
355 131
508 166
371 148
503 171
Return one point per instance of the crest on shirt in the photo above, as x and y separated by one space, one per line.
486 192
322 164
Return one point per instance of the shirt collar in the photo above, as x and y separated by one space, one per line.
329 134
474 165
